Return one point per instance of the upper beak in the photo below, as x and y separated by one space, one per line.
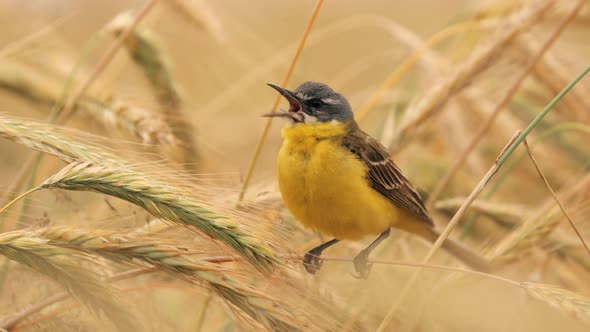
294 103
286 93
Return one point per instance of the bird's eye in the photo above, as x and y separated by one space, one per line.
315 103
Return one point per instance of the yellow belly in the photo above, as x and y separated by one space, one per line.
324 187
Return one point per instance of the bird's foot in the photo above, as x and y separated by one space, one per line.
361 265
312 261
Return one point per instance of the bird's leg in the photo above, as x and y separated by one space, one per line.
360 261
312 260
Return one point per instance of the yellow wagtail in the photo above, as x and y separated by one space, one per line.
338 180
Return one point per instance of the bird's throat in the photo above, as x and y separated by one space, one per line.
309 134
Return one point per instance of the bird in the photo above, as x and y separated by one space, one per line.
339 181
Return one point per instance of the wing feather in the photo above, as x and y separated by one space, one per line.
384 175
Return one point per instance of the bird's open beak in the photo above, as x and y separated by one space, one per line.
294 111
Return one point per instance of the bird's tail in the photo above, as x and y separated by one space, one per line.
470 258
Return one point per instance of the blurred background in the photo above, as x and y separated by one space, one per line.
444 85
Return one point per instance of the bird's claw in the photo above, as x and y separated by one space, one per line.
312 262
362 266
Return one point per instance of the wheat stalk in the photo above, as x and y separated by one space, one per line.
133 249
63 266
149 55
139 249
464 74
150 128
501 105
115 179
162 201
103 62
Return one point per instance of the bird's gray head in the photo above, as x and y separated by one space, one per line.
314 102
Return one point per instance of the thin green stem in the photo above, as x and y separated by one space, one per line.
540 117
524 134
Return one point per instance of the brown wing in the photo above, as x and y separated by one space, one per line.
384 175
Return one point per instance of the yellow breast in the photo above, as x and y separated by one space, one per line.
324 185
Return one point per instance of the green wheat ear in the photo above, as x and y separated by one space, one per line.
162 201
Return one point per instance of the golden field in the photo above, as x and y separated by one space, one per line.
129 199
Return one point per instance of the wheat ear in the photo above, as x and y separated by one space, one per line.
63 266
162 201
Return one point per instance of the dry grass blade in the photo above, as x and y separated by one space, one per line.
63 266
561 207
465 73
171 259
570 303
163 201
